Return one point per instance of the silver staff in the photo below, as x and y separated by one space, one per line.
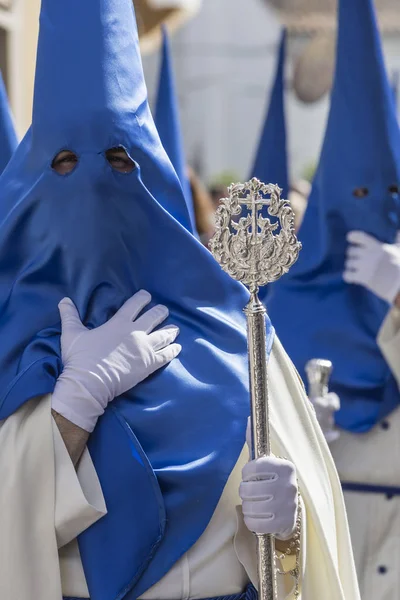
318 372
255 250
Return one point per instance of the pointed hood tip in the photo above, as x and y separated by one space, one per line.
168 124
66 62
271 160
362 96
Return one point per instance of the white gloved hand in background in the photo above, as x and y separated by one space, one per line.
269 494
374 265
325 409
103 363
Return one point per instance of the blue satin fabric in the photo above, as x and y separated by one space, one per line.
165 450
8 136
315 313
169 127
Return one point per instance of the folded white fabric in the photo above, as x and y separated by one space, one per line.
373 264
103 363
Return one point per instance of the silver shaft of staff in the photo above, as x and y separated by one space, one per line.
261 444
318 372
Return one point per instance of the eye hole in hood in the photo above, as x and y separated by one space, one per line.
119 160
64 162
360 192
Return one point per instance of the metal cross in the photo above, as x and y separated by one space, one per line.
257 256
255 203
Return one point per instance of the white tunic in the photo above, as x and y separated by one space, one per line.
43 501
374 458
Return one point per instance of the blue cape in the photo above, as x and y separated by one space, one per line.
169 127
163 451
315 313
8 136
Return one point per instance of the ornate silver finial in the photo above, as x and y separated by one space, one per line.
252 248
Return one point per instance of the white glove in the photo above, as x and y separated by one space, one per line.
325 408
103 363
269 494
374 265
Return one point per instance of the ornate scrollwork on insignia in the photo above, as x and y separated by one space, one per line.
250 247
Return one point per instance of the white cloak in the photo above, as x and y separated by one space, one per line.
44 505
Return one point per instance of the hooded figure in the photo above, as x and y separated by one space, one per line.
320 312
169 126
8 136
271 162
154 504
355 187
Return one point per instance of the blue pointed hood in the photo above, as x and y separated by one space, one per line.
168 123
8 136
164 451
76 90
315 312
271 161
